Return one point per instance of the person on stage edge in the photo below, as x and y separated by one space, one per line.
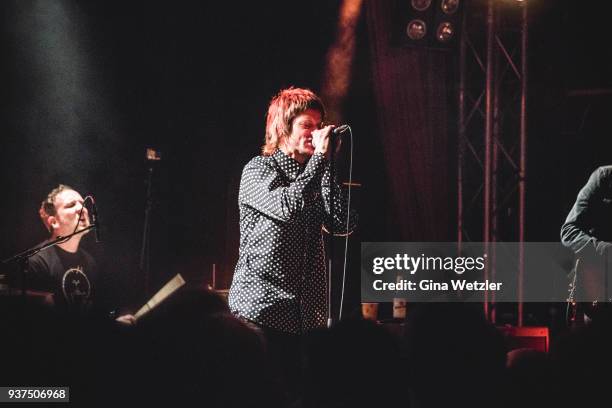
588 232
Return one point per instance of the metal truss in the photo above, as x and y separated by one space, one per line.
492 117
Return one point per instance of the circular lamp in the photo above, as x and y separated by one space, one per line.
416 29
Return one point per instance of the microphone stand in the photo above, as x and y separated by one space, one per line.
144 251
330 251
152 156
24 257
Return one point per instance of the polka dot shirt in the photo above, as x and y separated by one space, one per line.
280 279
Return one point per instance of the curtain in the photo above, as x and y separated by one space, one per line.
412 106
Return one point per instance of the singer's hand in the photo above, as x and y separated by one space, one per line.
320 140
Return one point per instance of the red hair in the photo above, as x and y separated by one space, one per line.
283 109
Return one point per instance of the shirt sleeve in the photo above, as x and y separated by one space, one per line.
38 276
332 189
263 189
575 232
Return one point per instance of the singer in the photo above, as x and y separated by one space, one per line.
279 283
65 275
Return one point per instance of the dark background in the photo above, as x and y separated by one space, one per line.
87 86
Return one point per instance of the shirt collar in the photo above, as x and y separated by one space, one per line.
291 167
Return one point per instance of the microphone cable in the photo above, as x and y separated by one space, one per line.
348 217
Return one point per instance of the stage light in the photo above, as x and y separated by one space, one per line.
449 6
428 23
445 32
416 29
421 5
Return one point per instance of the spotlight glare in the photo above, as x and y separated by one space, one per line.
445 32
416 29
449 6
421 4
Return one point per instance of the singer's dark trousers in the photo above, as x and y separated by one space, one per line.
284 351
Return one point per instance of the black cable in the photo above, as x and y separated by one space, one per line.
348 215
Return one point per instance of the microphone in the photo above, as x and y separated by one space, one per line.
337 131
95 221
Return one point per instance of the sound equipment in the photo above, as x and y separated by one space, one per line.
536 338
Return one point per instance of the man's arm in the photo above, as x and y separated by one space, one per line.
38 276
576 231
262 189
340 206
39 282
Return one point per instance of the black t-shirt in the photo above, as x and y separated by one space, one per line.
70 277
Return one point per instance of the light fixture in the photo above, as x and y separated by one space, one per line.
434 24
445 32
416 29
421 5
449 6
